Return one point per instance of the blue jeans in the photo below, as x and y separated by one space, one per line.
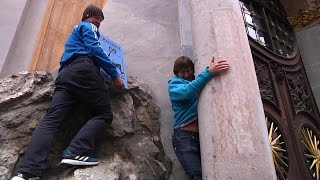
186 145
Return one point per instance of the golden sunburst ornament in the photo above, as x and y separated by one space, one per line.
312 151
279 150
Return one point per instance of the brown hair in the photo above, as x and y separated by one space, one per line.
182 62
91 11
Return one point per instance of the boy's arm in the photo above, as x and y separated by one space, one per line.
90 39
182 91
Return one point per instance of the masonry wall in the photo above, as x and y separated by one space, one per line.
10 14
20 23
149 32
309 42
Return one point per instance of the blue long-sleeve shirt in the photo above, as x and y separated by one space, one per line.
83 40
183 96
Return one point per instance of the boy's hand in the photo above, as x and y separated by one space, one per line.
218 66
117 82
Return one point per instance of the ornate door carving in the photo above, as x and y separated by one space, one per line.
292 115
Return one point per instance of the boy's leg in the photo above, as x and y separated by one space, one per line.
96 97
83 142
35 158
187 148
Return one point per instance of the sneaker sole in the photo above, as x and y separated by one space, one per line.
78 163
17 178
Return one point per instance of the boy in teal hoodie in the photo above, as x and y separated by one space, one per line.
183 91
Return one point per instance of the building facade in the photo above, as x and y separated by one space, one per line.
283 36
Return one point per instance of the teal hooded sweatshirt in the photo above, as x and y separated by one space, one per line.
183 97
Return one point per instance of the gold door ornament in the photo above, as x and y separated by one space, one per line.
279 150
311 148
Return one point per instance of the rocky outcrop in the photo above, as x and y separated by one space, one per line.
130 149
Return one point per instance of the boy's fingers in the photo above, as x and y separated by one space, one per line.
222 66
222 61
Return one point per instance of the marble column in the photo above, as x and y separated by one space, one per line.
233 132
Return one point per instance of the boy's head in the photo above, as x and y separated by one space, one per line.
184 68
93 14
92 11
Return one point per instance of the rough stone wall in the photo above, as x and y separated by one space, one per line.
130 149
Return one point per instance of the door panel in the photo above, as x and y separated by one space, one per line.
291 115
61 16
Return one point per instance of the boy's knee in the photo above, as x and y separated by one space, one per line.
196 176
108 117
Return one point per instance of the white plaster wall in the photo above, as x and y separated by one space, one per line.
22 44
148 30
185 28
309 42
10 14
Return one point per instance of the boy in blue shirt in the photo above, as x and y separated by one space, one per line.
183 91
79 81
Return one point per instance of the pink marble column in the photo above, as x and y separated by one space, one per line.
233 132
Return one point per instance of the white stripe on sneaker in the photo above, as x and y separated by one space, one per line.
85 159
17 178
78 163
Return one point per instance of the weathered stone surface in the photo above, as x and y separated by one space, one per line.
124 113
111 170
130 149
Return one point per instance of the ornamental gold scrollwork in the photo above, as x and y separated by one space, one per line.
305 18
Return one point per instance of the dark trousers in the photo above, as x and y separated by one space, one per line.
78 82
186 145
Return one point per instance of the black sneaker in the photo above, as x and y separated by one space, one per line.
25 176
74 159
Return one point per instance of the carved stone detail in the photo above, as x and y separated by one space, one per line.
305 18
299 93
277 70
264 81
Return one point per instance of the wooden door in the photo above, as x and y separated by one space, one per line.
61 16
